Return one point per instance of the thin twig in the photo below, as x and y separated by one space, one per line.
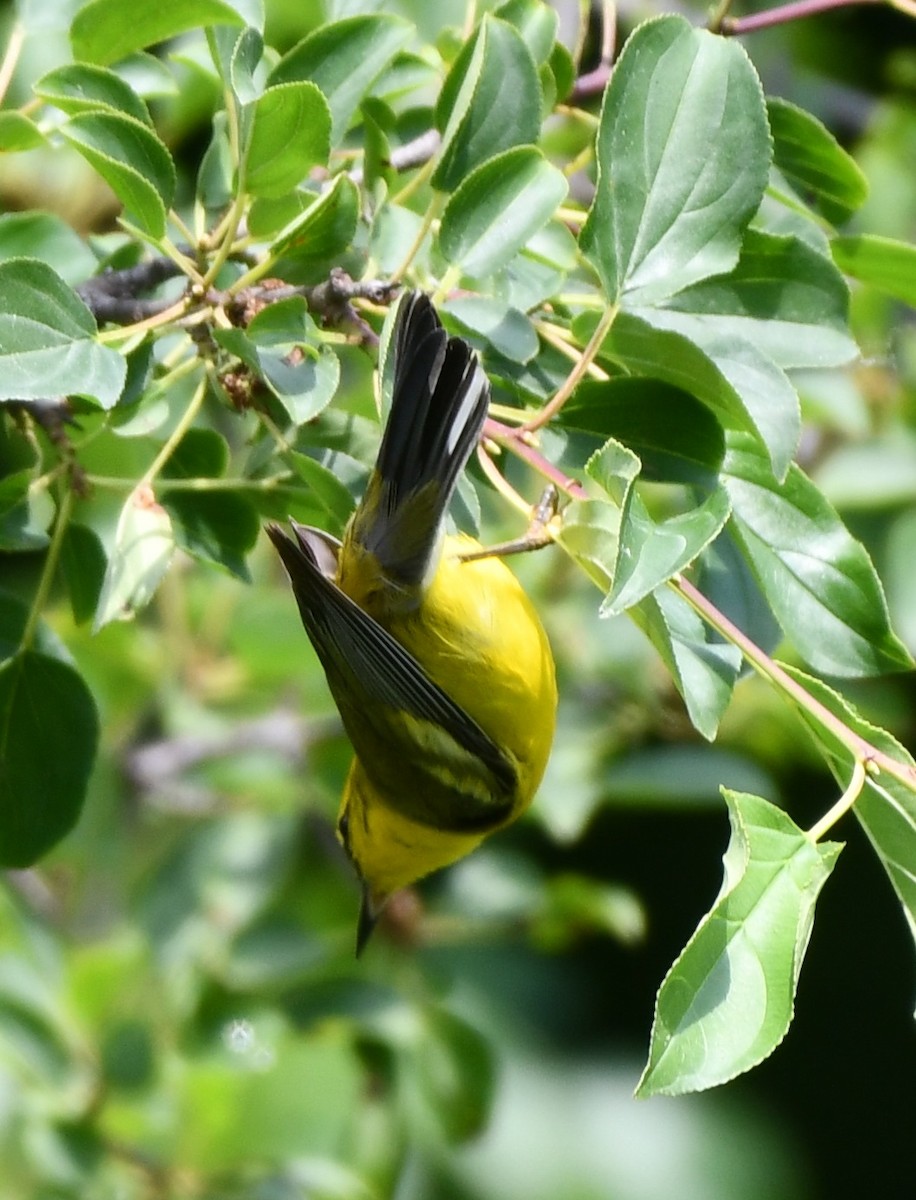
797 10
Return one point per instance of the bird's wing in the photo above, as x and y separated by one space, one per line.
393 711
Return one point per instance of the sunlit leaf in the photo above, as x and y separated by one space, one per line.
704 668
683 155
728 1000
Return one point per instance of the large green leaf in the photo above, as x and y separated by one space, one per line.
783 306
131 159
490 102
49 730
741 385
683 156
729 998
782 296
676 438
494 211
344 58
104 31
47 339
819 581
814 162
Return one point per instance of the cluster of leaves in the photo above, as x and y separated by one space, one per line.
653 336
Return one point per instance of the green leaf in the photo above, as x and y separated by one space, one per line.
46 753
454 1070
493 213
17 133
729 998
782 296
703 667
344 58
676 438
652 553
47 345
783 306
104 31
80 87
283 346
589 534
290 133
814 162
142 550
683 157
742 386
131 159
216 526
25 525
51 240
766 395
490 102
536 21
886 807
883 263
325 485
83 563
510 332
818 579
325 228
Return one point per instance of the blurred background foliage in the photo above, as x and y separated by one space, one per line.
181 1014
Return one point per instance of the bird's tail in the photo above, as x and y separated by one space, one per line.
439 404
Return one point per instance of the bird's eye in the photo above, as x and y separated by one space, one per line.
343 829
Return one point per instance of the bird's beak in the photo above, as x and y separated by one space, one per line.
369 912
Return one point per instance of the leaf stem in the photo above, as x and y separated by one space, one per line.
11 57
48 570
844 804
203 483
576 375
168 448
768 668
432 212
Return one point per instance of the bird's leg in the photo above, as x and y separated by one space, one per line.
542 530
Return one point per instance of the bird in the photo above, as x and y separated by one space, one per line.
435 656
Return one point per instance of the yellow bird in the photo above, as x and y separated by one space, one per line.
439 666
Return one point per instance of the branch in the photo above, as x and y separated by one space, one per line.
112 297
797 10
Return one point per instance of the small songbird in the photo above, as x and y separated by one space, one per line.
439 665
